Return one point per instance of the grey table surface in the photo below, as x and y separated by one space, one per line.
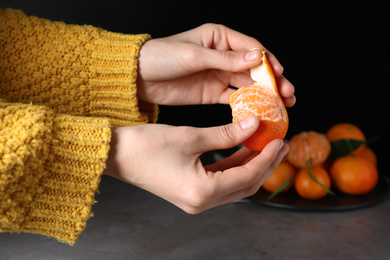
130 223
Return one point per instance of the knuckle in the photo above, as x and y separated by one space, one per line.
229 57
254 180
225 132
252 190
214 26
198 199
191 52
281 70
269 156
191 210
218 32
195 200
254 183
186 135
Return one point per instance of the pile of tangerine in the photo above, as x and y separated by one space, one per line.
306 166
307 169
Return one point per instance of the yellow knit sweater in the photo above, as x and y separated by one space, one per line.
61 89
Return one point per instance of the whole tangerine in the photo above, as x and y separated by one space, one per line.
282 173
354 175
345 131
367 154
307 188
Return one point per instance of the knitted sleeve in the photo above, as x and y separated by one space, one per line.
78 70
50 168
61 89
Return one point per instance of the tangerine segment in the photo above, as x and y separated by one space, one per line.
261 99
257 100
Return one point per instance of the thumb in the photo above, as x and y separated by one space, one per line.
234 61
227 136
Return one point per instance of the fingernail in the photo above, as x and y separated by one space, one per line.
286 148
281 144
247 122
252 54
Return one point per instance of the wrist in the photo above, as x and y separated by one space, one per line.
118 161
111 163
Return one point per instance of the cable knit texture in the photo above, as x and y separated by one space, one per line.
61 87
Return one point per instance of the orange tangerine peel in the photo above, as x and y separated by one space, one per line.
263 100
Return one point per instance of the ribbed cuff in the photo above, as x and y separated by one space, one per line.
114 88
77 157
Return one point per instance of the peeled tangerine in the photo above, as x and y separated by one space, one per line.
263 100
308 145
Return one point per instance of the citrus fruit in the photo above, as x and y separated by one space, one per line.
367 154
345 131
263 100
306 145
354 175
282 173
307 188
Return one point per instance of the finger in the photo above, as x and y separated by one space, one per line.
241 177
226 136
260 175
240 182
241 79
224 97
286 91
267 156
236 80
234 160
277 68
237 41
220 37
234 61
289 102
252 189
282 152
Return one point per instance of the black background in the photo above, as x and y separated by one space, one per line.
337 57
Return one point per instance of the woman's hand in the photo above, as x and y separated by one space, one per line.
198 66
165 160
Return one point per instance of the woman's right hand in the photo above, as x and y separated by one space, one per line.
164 160
200 65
